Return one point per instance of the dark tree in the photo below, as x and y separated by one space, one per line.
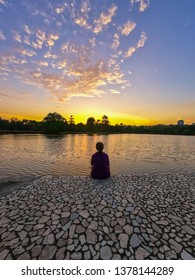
56 117
105 120
80 127
90 124
4 124
54 123
71 120
14 123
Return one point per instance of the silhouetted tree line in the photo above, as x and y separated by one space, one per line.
55 123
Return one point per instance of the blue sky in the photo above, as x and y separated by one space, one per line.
132 60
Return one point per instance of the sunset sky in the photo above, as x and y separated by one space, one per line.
133 60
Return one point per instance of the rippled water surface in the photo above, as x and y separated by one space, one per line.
35 155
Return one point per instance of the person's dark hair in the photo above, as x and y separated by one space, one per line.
100 146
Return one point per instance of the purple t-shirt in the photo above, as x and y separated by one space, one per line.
100 166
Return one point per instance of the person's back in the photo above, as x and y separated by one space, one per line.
100 163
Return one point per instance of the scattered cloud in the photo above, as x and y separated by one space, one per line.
82 22
142 40
143 4
3 2
28 30
104 19
130 51
140 44
116 41
59 10
42 63
41 35
11 59
36 74
43 38
128 27
17 36
113 91
84 78
62 64
2 36
81 15
85 7
26 52
92 41
49 55
77 50
51 40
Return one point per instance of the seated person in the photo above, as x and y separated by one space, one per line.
100 163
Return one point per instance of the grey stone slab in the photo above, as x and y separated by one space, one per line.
105 253
48 252
135 241
91 236
141 254
188 229
123 238
66 226
186 256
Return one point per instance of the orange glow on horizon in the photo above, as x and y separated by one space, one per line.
125 120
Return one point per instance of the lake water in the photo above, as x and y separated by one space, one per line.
24 155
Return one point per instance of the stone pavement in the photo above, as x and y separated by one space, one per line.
121 218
